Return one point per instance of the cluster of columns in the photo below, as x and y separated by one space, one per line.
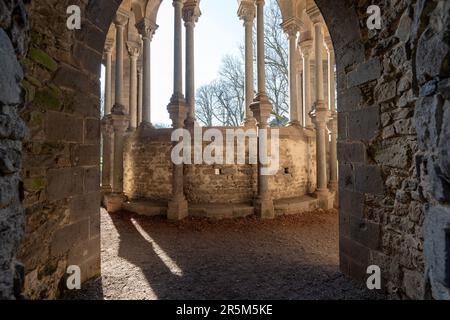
318 114
308 104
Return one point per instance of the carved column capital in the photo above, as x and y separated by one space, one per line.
292 26
146 28
121 18
134 49
306 47
109 45
247 11
191 12
315 15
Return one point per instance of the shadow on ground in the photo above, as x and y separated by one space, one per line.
291 257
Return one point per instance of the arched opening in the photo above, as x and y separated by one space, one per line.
378 193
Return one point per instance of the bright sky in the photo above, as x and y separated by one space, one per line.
218 32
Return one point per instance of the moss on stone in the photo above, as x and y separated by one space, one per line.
30 90
48 99
34 184
43 59
35 82
36 119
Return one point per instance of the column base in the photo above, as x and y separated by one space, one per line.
190 123
105 190
113 202
333 186
249 122
118 109
326 199
264 208
294 123
177 209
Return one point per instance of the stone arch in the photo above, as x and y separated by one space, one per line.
61 172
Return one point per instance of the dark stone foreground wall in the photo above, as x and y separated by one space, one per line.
13 46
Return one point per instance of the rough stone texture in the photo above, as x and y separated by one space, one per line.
431 30
13 44
148 171
381 210
61 166
385 223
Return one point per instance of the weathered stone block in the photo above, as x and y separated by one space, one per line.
65 182
365 72
364 124
351 204
92 179
11 73
83 206
63 127
351 152
437 249
68 237
368 178
365 232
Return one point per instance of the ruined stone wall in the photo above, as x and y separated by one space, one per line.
431 38
380 155
148 166
61 166
148 171
13 45
297 175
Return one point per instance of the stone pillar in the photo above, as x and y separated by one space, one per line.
332 124
133 52
119 22
320 116
108 76
292 27
191 13
262 108
140 92
107 150
118 121
247 12
306 47
299 75
146 29
177 108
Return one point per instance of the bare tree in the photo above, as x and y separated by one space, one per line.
222 102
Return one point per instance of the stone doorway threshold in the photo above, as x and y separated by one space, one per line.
223 210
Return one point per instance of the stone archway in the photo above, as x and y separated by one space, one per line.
380 195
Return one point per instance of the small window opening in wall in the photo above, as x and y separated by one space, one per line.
287 171
219 172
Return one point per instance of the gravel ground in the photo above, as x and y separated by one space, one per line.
291 257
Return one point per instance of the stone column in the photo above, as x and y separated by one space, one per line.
118 123
191 13
292 27
177 108
320 116
247 12
140 92
306 47
119 22
107 150
299 75
133 52
108 75
261 108
146 29
332 124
